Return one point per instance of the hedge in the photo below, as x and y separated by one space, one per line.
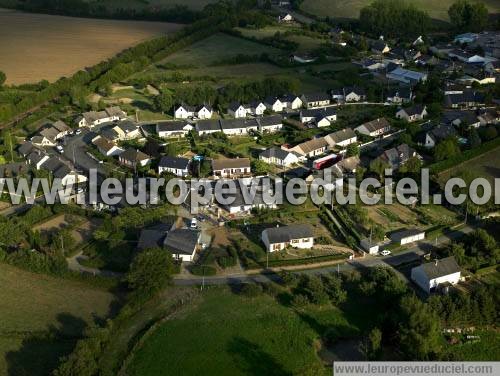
294 262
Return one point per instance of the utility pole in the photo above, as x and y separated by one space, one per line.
267 260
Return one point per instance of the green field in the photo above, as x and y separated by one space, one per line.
351 8
41 317
146 4
216 48
227 334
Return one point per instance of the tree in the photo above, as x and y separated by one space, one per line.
474 139
374 343
467 16
412 165
446 149
419 329
151 271
378 166
352 150
163 102
3 77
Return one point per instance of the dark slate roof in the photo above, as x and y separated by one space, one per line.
354 89
319 113
171 126
468 96
233 106
238 123
414 110
153 236
375 125
287 233
398 235
441 268
441 133
133 155
317 97
208 125
207 106
275 152
174 162
35 156
401 92
127 126
25 148
270 120
13 169
271 100
288 97
182 241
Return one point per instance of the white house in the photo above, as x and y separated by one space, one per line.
297 236
413 113
93 118
341 138
182 243
256 108
126 130
291 101
432 275
407 236
237 110
274 104
174 165
134 158
204 112
204 127
315 100
370 246
354 94
236 127
231 168
374 128
169 129
285 17
106 147
270 124
279 157
37 158
311 148
184 112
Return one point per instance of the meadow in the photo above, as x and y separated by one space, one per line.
39 46
250 340
41 317
351 8
141 4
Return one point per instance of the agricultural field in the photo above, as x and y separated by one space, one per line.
141 4
351 8
48 47
250 339
485 166
41 317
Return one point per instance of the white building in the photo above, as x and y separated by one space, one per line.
237 110
431 275
413 113
297 236
279 157
174 165
407 236
184 112
231 168
169 129
341 138
182 243
374 128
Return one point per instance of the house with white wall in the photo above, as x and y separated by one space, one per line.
435 274
299 236
174 165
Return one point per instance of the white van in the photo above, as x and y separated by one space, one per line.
194 223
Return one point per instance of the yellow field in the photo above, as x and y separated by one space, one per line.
38 46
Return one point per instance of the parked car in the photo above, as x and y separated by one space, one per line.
194 223
60 149
385 252
78 131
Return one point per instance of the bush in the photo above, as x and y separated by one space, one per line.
251 290
299 301
206 270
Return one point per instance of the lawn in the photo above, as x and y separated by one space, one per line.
351 8
215 49
41 317
249 340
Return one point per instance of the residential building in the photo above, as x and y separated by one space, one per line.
237 110
270 124
256 108
106 147
413 113
242 205
126 130
274 104
231 168
169 129
315 100
182 243
311 148
465 119
465 38
431 138
280 157
374 128
467 99
322 117
291 101
37 158
61 170
174 165
380 47
400 95
466 57
204 127
237 127
436 274
134 158
354 94
406 76
398 156
204 112
407 236
285 17
184 111
299 236
341 138
153 236
93 118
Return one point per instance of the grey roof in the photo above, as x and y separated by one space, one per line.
354 89
287 233
182 241
400 92
233 106
25 148
35 156
238 123
266 121
319 113
153 236
468 96
376 124
13 169
414 110
127 126
133 155
398 155
220 164
174 162
171 126
398 235
440 268
317 97
441 133
275 152
208 125
342 135
288 97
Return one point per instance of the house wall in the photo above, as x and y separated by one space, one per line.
451 278
414 238
175 171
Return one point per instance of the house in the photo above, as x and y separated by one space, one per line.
436 274
204 112
291 101
274 104
341 138
62 171
25 148
451 87
323 117
285 17
371 64
374 128
299 236
398 156
174 165
237 110
315 100
182 243
400 95
380 47
106 147
370 246
256 108
134 158
465 119
153 236
37 158
413 113
489 117
94 118
407 236
231 168
45 138
466 57
12 170
184 112
280 157
406 76
354 94
465 38
431 138
270 124
169 129
467 99
126 130
311 148
348 166
239 204
204 127
236 127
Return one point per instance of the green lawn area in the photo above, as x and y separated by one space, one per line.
216 48
351 8
141 4
34 307
227 334
486 349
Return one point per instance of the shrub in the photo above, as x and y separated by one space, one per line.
251 290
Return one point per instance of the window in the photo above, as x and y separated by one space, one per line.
295 241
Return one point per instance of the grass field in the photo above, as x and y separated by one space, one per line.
48 47
351 8
216 48
250 340
40 318
141 4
